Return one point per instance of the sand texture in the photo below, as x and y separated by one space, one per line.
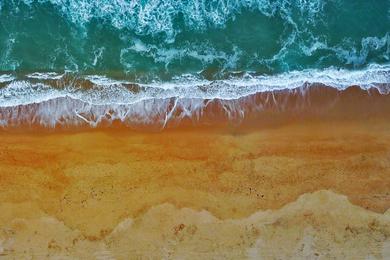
318 189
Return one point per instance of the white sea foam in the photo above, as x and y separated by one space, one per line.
104 91
44 75
158 104
204 53
156 16
6 78
23 92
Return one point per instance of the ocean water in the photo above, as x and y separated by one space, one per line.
123 52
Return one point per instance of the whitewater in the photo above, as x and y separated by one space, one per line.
71 63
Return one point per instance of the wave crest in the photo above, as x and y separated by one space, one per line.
101 90
64 100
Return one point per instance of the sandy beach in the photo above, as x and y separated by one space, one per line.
68 194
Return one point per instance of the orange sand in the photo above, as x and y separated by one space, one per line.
91 182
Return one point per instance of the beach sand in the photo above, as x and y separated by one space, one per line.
306 189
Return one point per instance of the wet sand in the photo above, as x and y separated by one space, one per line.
275 192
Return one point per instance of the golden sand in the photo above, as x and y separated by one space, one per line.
198 193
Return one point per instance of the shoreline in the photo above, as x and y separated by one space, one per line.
108 188
263 109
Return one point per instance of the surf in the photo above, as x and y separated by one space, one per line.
55 100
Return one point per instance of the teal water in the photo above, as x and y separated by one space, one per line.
85 62
161 39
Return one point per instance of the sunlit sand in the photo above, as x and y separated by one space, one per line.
151 194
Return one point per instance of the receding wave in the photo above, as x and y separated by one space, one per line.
53 100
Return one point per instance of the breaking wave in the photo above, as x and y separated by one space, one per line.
52 100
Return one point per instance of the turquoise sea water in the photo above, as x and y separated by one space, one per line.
126 51
148 39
